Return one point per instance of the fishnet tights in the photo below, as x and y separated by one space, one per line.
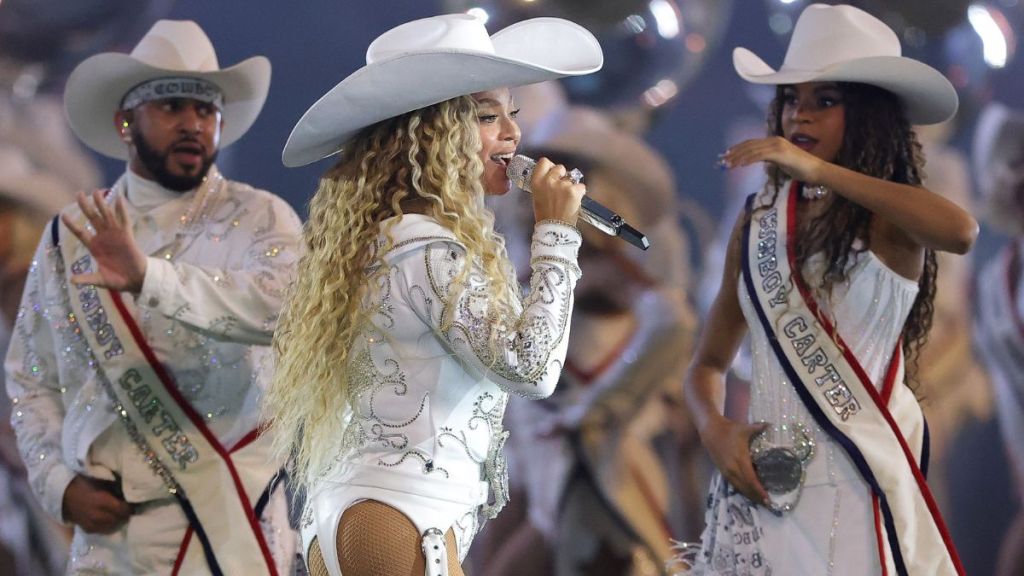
375 539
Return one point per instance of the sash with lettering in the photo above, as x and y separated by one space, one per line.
882 430
221 489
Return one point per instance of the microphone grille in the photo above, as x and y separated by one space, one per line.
519 170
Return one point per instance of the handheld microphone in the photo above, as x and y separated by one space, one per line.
521 168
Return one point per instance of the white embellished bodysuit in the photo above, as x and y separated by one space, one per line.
831 529
425 435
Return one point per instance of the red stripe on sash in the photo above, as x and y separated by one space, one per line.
246 440
805 292
181 552
878 534
197 421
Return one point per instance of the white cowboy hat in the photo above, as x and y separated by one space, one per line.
434 59
170 48
845 44
998 157
24 185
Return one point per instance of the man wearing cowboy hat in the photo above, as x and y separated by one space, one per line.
999 330
136 367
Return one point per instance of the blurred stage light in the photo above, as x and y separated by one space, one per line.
479 14
994 42
635 23
780 23
660 93
666 18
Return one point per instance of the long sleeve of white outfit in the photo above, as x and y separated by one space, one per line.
237 304
33 382
522 353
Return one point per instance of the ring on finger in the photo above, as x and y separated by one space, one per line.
574 176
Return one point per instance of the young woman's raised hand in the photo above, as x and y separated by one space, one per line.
798 164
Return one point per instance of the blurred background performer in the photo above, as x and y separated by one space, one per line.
42 164
605 461
999 157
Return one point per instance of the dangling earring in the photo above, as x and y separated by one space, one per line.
125 134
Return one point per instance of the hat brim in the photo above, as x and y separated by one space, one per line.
95 88
928 96
525 53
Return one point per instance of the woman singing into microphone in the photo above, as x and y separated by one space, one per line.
405 332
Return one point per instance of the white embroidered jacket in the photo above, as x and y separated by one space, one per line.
208 311
430 401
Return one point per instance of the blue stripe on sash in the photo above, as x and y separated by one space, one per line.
264 498
926 449
204 540
819 416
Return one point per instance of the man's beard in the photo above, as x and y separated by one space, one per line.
156 164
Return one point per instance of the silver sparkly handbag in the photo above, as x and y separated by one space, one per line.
780 468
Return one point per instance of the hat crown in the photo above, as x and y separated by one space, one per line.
179 45
827 35
461 32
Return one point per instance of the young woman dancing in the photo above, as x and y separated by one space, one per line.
832 271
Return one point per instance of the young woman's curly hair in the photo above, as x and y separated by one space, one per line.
428 158
878 141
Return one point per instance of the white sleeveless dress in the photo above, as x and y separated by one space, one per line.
831 529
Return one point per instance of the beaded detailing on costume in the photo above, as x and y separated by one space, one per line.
369 385
429 376
376 386
516 349
44 309
488 411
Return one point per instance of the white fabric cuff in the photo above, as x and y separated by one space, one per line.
157 288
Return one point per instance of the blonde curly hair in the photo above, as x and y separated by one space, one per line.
428 157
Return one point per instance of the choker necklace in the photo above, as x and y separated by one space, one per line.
813 192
